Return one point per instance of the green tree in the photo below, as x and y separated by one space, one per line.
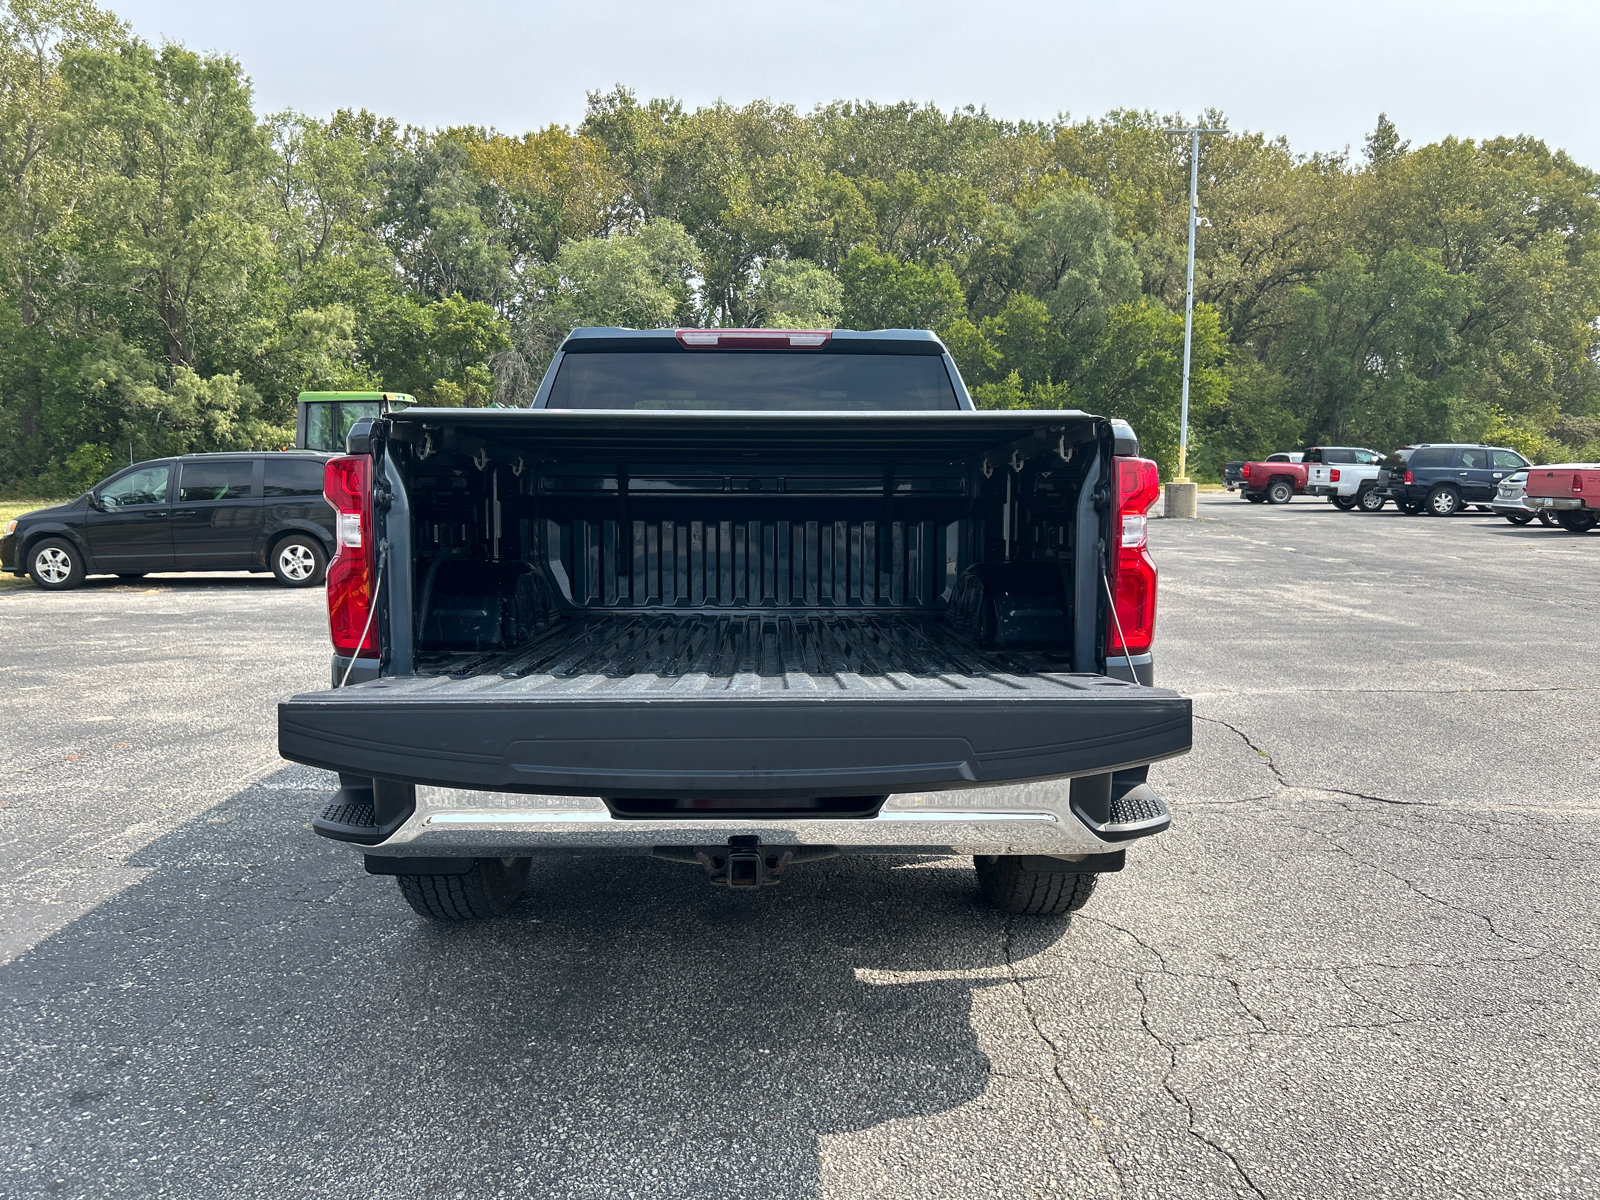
881 292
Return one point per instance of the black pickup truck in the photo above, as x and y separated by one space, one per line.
740 599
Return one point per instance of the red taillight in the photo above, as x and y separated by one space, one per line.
1245 470
1577 483
1133 585
346 482
754 339
1408 476
1333 474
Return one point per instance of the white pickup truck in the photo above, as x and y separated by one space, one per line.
1345 475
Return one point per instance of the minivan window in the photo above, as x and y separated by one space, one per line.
215 481
1432 456
1476 459
293 477
145 486
752 379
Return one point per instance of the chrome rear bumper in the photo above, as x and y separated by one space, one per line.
1032 818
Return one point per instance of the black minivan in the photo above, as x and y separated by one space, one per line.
199 512
1442 479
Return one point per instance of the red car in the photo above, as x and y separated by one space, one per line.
1277 479
1571 491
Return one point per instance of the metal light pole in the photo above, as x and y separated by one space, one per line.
1188 296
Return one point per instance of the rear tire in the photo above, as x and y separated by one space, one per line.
1344 503
490 889
299 561
1280 491
1369 501
1011 889
56 565
1577 522
1443 502
1518 518
1256 497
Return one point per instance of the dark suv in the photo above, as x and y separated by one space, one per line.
200 512
1442 479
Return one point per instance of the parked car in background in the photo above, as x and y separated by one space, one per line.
1442 479
1569 490
1345 475
1276 479
199 512
1511 502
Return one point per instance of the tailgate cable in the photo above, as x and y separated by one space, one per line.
372 611
1115 620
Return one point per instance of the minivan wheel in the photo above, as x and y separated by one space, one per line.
1280 491
490 889
1010 888
1577 522
299 561
56 565
1369 500
1444 502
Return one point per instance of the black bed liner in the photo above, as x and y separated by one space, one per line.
682 705
725 645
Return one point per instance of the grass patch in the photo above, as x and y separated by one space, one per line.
15 508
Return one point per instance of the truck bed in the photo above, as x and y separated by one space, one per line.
693 652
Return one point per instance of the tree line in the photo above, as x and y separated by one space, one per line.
175 266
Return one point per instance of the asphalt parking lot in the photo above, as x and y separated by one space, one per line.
1362 964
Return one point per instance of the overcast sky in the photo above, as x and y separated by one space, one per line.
1318 73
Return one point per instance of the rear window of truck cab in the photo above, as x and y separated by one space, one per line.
769 380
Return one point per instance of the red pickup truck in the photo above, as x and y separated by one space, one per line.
1277 479
1570 491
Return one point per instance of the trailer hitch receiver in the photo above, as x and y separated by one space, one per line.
744 863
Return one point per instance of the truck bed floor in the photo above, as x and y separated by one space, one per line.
700 651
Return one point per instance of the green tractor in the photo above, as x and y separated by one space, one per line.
324 418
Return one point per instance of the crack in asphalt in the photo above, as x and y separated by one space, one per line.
1181 1100
1248 741
1089 1120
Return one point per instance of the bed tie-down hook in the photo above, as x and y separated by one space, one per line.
516 468
988 469
1017 461
481 458
1064 450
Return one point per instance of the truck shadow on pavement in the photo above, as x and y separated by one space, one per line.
258 1016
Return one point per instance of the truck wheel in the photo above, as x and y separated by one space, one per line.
1577 522
1368 500
1255 497
1032 893
299 561
1280 491
56 565
1443 502
1344 503
490 889
1519 518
